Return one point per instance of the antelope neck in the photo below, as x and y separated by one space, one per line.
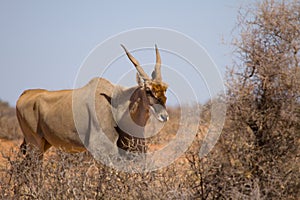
139 107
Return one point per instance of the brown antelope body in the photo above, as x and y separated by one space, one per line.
47 117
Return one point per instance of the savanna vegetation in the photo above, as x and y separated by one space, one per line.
256 156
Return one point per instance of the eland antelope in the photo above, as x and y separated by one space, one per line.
47 117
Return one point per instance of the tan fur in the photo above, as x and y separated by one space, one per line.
46 117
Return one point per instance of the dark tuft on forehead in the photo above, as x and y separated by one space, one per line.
159 89
159 86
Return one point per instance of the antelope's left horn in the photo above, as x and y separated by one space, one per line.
137 65
156 74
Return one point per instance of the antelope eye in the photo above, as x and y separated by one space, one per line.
149 92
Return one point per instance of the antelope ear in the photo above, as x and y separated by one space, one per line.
139 80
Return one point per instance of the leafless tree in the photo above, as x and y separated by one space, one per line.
264 98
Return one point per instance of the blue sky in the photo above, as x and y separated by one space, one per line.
43 43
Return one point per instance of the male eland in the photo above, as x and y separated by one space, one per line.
47 117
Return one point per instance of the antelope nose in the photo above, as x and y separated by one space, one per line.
164 117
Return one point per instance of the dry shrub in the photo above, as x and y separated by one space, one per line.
79 176
9 127
261 137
